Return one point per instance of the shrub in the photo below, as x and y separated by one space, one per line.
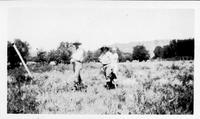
158 52
13 58
64 52
18 100
41 68
174 67
89 57
53 56
140 53
41 56
176 49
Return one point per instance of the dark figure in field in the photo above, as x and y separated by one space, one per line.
110 84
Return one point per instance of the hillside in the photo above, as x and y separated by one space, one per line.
128 47
150 45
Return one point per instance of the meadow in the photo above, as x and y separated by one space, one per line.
152 87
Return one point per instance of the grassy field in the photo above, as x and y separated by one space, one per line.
153 87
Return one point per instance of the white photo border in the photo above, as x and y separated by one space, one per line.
5 5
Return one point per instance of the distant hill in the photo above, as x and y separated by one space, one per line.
150 45
128 47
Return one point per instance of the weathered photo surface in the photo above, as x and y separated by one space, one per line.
89 60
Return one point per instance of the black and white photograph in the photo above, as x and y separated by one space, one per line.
100 60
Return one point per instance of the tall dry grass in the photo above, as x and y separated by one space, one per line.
164 87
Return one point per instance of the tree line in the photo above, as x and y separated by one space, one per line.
175 50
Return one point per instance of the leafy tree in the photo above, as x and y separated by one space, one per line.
158 52
140 53
185 48
127 57
89 56
41 56
52 56
124 56
120 55
173 48
64 52
13 58
166 51
176 49
96 55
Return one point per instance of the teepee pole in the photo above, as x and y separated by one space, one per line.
29 73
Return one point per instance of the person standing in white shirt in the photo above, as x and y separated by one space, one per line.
105 59
77 60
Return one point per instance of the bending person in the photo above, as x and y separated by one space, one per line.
105 59
114 61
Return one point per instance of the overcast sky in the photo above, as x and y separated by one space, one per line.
45 28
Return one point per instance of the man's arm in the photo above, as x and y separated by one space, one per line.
100 58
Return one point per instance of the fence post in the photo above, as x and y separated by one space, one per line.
29 73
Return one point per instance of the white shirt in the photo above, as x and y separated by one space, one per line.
105 58
78 55
114 58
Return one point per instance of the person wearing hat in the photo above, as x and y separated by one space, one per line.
77 60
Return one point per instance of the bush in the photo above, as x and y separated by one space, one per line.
89 57
18 99
41 68
13 58
41 56
62 54
52 56
92 56
140 53
158 52
176 49
124 56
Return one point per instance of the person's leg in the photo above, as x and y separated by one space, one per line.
105 71
77 72
73 66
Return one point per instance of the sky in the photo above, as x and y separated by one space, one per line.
45 28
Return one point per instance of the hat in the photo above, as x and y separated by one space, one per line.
77 43
104 48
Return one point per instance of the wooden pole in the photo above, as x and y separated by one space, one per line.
29 73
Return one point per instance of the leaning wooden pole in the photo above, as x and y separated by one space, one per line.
29 73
